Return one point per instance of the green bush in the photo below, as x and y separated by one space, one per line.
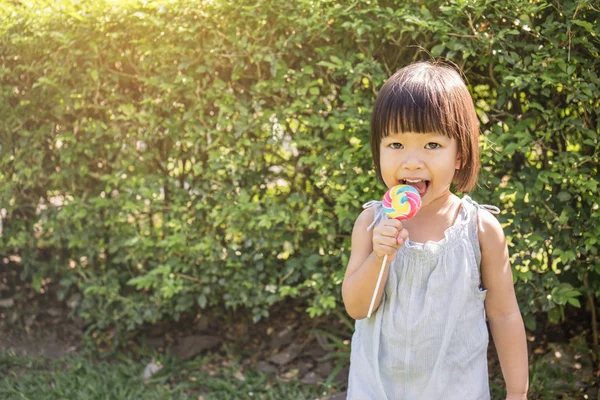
159 157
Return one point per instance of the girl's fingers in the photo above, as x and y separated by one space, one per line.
385 246
387 241
392 222
389 230
402 236
388 251
388 237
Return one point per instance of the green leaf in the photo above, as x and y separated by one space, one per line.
530 322
574 302
588 26
564 196
437 50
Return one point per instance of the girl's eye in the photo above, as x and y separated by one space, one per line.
433 145
396 145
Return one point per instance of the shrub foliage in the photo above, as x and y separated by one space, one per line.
160 157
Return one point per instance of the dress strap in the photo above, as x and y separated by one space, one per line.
370 204
473 210
478 207
491 209
378 211
487 207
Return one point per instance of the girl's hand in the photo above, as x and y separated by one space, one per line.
388 236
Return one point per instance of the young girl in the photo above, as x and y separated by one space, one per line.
447 267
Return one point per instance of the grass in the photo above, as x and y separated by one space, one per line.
88 376
83 377
216 376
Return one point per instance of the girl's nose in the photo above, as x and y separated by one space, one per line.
412 160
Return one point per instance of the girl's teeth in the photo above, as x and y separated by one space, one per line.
420 185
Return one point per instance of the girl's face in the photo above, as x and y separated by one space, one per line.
426 161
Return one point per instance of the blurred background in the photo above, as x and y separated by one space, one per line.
179 181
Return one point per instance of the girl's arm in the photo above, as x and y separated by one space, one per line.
366 257
501 307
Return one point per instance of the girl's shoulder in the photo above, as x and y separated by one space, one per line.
480 218
365 219
489 230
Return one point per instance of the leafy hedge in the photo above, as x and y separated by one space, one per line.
160 157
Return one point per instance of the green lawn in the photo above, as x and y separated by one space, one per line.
87 376
81 377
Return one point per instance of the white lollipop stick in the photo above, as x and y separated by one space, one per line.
400 202
377 286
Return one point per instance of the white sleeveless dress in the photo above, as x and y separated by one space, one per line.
428 339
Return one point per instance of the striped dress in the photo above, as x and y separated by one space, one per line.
428 339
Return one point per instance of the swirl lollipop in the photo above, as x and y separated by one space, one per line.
400 202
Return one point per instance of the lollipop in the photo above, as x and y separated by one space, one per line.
400 202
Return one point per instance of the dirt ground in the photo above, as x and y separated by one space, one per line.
31 323
289 345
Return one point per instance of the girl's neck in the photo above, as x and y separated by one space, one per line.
433 219
441 206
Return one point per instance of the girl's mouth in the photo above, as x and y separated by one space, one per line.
420 184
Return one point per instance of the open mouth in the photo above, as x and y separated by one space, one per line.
420 184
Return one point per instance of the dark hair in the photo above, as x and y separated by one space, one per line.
427 97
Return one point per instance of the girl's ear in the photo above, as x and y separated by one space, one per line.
457 165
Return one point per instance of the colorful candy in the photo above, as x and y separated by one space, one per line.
401 202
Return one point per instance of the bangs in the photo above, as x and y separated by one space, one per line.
419 105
